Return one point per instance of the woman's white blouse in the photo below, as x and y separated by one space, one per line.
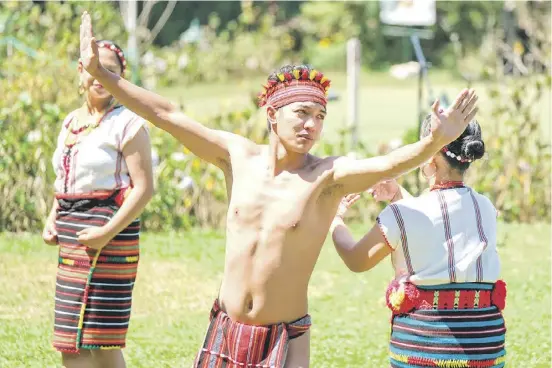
96 162
443 236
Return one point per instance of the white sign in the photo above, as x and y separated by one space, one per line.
408 12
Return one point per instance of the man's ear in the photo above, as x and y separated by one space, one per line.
271 113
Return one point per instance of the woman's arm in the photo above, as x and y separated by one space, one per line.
362 255
53 212
49 234
401 194
367 252
389 190
137 154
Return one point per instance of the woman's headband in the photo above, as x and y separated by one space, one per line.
120 55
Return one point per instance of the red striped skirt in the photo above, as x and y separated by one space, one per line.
230 344
93 288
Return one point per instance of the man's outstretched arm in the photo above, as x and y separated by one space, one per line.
209 144
354 176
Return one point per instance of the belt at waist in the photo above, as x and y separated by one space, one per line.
295 328
117 197
404 297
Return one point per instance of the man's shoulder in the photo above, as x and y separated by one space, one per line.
241 146
325 163
318 165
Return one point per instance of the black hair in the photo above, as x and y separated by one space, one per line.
119 58
469 145
289 68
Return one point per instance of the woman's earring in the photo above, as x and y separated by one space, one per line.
424 173
81 87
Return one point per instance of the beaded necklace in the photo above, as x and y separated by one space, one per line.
75 131
447 185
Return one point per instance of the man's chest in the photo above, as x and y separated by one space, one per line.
287 200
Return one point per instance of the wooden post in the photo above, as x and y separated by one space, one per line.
353 76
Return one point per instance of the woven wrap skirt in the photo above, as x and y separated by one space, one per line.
230 344
465 331
93 295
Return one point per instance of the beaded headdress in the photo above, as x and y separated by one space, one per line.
300 85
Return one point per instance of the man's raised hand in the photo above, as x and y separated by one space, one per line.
89 55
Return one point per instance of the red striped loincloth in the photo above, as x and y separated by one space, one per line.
93 289
232 344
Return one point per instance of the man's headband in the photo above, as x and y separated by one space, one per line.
117 51
301 85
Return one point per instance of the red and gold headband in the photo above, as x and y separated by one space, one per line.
116 50
298 86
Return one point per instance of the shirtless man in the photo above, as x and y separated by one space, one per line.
282 202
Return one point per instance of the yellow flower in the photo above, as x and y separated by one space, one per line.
209 184
396 297
287 42
324 43
196 164
518 48
187 202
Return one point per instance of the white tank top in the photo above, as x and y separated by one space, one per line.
96 162
443 236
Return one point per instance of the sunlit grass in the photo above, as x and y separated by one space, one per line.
179 277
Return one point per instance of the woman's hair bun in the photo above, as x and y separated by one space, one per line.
473 148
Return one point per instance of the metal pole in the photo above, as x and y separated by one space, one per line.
132 46
353 76
421 73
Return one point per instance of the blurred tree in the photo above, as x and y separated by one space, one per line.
186 11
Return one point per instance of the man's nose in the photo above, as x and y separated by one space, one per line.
309 124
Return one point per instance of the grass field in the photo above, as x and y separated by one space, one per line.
387 106
179 277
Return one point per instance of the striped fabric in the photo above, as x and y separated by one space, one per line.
454 337
297 91
482 236
404 238
448 236
93 289
230 344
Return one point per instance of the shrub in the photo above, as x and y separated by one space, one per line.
35 100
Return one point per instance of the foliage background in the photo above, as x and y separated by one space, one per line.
40 87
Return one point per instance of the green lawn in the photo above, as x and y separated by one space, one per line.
179 277
387 107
